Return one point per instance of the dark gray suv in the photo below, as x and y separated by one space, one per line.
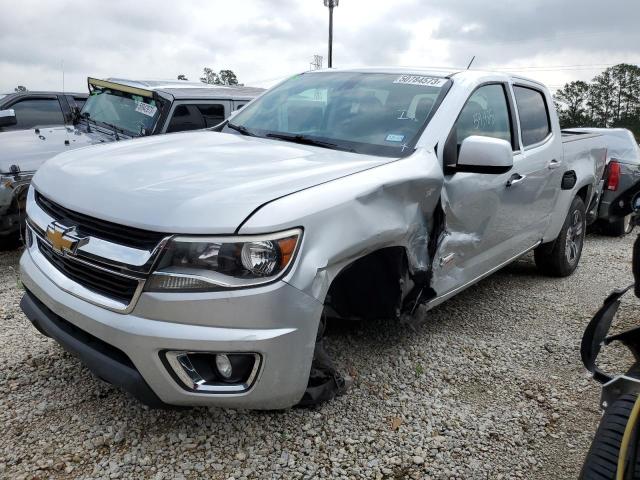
621 173
23 110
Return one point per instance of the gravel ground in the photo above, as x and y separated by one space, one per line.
490 386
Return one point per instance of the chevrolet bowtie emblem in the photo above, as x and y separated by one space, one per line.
64 240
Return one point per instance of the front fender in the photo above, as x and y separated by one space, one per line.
386 206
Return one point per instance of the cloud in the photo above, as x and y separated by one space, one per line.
501 31
266 40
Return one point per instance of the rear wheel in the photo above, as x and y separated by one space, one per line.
560 258
618 227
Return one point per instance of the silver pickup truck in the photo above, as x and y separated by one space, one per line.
198 268
117 109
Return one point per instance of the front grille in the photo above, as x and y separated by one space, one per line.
99 281
91 226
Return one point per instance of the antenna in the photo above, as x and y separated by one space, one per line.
472 59
62 67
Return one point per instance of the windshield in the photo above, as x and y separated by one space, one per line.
134 114
373 113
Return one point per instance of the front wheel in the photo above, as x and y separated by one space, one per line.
560 258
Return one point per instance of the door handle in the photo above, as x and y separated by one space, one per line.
554 164
515 179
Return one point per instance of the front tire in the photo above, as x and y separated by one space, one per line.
560 258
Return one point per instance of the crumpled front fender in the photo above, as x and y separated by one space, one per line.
391 205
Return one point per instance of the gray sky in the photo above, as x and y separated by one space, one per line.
264 41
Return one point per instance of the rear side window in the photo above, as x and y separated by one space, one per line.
485 114
193 117
534 115
184 118
37 112
212 114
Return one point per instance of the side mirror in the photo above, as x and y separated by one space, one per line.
485 155
8 118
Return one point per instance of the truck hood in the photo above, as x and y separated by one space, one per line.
197 182
28 149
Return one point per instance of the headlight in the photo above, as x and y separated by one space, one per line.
214 263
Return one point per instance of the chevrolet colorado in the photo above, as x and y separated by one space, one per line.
198 268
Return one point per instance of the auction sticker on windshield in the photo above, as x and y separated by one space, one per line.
392 137
146 109
421 80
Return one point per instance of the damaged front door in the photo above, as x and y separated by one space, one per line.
480 219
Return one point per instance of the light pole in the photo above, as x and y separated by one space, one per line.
331 4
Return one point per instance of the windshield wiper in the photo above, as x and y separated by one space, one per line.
86 116
242 129
304 140
115 129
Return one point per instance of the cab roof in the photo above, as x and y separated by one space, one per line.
435 72
184 90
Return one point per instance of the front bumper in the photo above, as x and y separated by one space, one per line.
276 321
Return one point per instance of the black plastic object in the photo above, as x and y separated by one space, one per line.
595 335
325 383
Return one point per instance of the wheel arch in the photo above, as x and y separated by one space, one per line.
371 286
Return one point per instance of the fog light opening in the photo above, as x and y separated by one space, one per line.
210 372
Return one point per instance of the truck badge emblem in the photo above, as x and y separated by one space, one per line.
64 240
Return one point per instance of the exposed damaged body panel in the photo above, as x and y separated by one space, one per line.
391 205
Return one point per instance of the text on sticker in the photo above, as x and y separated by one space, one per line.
421 80
146 109
395 138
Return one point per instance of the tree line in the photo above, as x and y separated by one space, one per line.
223 77
611 99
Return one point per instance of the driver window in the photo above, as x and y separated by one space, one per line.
486 114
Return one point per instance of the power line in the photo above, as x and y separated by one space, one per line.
558 68
546 38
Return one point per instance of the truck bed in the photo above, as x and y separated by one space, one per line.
590 147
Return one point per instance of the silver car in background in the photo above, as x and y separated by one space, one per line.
117 109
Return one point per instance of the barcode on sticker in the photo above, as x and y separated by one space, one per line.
146 109
421 80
